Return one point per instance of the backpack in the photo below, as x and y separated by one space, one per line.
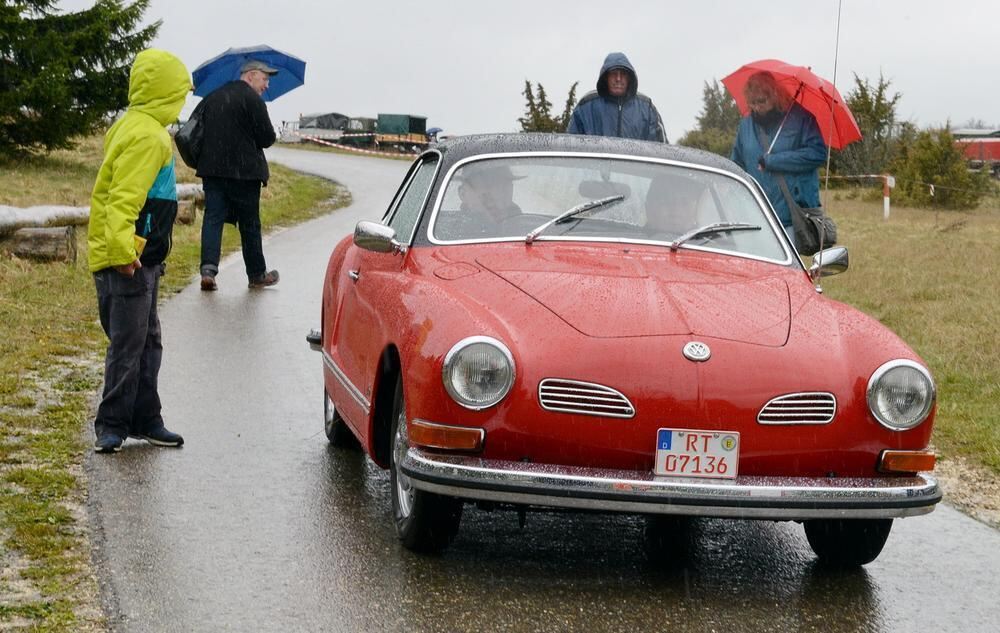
189 139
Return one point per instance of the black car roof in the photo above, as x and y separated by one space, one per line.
461 147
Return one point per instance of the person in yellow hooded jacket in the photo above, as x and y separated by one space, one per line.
132 211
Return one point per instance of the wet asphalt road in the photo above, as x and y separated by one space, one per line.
258 525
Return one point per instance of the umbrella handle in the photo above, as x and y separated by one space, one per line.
783 119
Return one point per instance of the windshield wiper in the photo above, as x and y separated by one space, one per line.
711 229
577 210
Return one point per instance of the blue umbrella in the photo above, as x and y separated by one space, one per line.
224 68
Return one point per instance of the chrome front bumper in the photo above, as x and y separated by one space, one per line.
780 498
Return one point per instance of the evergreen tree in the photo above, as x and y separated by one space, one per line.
568 108
62 73
538 110
717 123
874 109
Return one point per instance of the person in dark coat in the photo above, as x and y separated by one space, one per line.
233 168
617 108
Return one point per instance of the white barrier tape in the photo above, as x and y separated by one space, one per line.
348 147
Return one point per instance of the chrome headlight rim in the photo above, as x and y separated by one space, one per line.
876 378
449 362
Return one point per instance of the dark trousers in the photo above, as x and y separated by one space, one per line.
232 199
127 307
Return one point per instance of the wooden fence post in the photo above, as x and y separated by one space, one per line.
888 182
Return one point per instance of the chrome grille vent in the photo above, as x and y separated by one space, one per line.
799 408
587 398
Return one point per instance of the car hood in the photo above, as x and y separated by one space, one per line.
641 295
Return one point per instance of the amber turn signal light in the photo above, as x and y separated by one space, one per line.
906 461
445 437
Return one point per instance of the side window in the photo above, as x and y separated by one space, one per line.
408 206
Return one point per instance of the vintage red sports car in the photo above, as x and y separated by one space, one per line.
552 321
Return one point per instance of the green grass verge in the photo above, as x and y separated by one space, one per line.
51 362
931 276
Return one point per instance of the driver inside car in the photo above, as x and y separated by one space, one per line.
487 198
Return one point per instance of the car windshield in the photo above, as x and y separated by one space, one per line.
502 199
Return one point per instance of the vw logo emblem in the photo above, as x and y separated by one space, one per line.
697 351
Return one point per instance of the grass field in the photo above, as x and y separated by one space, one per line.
51 351
931 276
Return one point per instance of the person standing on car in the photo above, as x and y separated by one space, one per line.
617 108
233 168
779 138
132 211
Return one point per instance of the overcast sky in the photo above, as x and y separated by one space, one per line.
463 64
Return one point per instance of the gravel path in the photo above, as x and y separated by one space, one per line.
972 489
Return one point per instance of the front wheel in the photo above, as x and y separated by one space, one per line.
425 522
334 426
847 542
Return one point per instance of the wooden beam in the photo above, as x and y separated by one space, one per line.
14 218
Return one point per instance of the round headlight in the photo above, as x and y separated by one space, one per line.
478 372
901 394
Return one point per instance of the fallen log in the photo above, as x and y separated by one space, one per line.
14 218
190 190
47 244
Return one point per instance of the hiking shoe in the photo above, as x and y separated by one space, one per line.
109 443
262 281
208 283
160 437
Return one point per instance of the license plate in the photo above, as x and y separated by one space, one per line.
690 453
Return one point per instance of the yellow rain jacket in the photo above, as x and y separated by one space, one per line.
136 193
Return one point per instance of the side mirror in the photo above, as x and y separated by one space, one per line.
377 238
830 261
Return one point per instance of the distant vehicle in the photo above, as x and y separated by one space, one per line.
402 132
359 132
328 126
324 121
389 132
980 147
547 321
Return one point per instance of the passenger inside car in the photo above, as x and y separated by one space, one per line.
673 205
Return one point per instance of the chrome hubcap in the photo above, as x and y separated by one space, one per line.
400 444
329 412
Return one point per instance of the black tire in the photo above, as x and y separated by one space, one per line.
847 542
336 429
667 539
425 522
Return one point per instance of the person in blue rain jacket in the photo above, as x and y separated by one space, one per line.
797 153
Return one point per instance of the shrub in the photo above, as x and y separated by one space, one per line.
930 158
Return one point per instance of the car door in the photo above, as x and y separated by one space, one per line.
369 309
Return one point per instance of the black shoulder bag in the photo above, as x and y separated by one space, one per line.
189 138
814 229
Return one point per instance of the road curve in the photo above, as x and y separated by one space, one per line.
258 525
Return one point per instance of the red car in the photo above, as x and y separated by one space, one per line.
551 321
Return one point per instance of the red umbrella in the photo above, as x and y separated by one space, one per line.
815 94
